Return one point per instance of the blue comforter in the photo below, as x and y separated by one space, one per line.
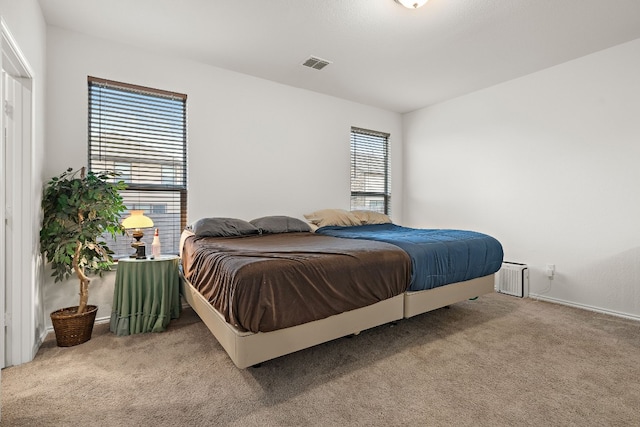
438 257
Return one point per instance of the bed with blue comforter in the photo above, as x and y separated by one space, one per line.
438 257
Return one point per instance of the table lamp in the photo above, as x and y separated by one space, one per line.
136 221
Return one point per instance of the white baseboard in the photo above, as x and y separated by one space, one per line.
104 319
585 307
38 343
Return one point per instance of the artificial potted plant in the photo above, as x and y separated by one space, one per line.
78 208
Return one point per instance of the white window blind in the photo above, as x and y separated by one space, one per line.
370 184
141 133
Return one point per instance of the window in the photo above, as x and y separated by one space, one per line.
370 186
141 133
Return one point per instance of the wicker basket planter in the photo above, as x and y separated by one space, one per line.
71 328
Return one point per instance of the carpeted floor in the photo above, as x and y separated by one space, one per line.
495 361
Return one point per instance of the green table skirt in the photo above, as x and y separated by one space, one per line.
146 295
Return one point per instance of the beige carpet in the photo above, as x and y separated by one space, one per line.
496 361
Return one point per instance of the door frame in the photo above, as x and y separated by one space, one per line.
23 289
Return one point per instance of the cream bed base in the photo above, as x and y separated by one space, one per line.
247 348
419 302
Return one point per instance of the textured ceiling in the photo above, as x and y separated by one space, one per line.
382 54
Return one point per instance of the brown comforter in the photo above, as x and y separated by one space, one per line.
268 282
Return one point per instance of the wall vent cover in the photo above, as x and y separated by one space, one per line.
316 63
513 279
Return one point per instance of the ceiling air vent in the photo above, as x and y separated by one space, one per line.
316 63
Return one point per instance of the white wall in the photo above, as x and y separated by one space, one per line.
26 25
254 147
548 164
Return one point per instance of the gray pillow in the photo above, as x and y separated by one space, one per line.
280 224
223 227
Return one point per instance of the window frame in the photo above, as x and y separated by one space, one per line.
385 192
149 189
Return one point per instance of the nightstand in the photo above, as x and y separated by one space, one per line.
146 295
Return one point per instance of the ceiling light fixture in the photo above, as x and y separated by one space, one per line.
411 4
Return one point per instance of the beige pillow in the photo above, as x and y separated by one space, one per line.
185 233
371 217
326 217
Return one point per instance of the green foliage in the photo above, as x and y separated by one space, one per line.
77 210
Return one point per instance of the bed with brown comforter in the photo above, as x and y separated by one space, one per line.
269 287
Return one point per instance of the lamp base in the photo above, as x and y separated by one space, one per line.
140 250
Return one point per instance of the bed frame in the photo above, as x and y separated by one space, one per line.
247 348
419 302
